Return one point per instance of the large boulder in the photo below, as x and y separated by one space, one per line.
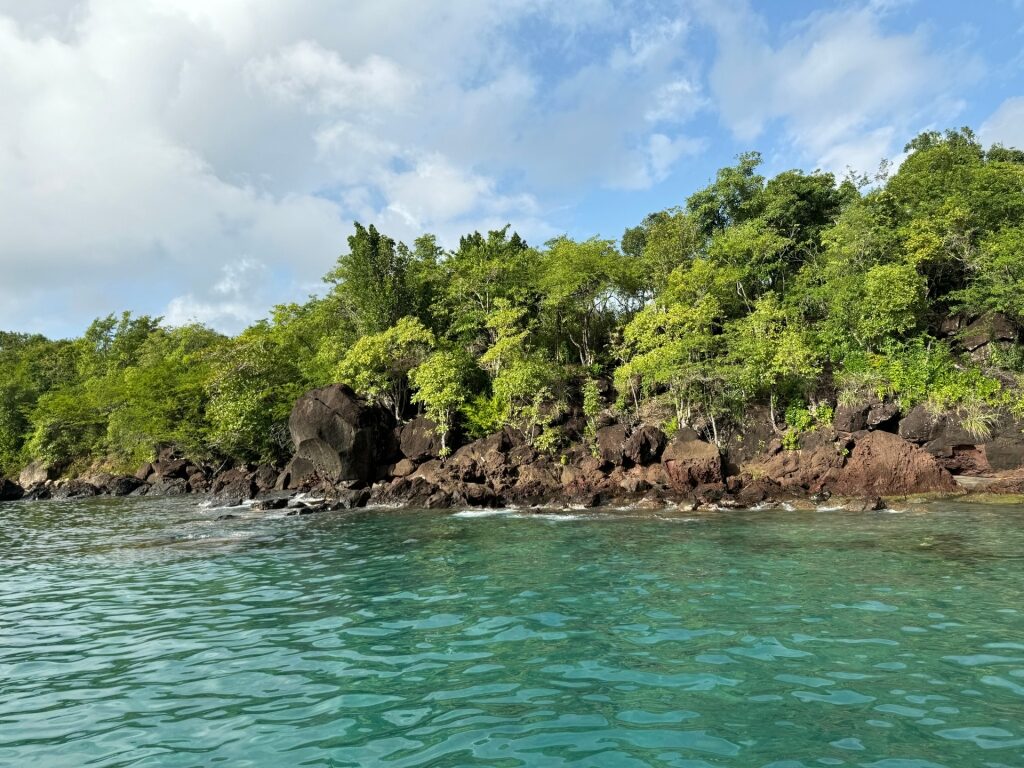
750 439
235 483
690 461
10 490
884 464
171 468
610 442
338 433
418 439
993 327
1005 452
38 472
122 485
299 474
813 468
167 486
958 449
75 489
870 413
644 446
921 425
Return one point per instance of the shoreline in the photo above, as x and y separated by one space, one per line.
354 455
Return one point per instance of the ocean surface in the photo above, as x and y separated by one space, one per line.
146 632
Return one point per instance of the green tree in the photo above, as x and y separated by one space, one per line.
378 365
440 384
583 286
371 279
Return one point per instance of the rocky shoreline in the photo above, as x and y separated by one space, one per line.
351 454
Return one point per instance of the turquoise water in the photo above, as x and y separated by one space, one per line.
145 632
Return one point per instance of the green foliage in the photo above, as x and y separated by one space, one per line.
592 407
893 303
373 275
998 275
482 271
481 415
786 290
921 370
583 285
379 365
440 383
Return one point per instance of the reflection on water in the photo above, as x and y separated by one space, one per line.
147 632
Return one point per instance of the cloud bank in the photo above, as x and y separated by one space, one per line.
203 159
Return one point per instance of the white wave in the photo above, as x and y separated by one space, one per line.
482 513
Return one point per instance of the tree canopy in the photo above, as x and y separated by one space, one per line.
794 291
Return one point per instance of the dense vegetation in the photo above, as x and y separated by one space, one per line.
793 292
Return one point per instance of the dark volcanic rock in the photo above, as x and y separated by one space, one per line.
1005 453
10 490
413 491
987 329
944 436
871 413
645 445
122 486
299 474
339 434
610 443
38 492
265 477
752 438
171 468
884 416
351 498
920 425
418 439
757 491
237 482
264 505
75 489
173 486
851 418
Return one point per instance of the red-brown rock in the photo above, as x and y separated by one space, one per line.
884 464
689 461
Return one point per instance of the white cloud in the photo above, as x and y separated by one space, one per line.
840 85
1006 125
149 144
232 302
310 74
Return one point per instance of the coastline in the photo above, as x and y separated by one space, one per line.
349 454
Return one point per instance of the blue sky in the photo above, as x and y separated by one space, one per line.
203 159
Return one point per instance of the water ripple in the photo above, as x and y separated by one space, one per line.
145 632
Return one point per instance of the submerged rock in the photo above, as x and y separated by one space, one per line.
264 505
